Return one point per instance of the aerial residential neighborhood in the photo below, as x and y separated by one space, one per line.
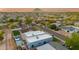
39 29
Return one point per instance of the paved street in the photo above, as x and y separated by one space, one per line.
9 42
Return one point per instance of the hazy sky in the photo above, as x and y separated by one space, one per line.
43 9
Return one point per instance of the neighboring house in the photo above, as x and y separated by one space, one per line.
70 29
58 23
36 38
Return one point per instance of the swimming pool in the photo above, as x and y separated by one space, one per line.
19 41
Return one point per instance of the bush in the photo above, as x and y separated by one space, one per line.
1 35
16 33
73 42
54 27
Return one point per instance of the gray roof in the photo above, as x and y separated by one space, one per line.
33 36
69 28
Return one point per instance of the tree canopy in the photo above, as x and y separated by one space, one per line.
1 35
28 20
73 42
54 27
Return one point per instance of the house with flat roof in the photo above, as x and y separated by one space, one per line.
36 38
70 29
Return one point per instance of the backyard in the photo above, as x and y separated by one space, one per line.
16 33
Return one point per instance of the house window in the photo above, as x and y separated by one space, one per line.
32 46
44 42
39 43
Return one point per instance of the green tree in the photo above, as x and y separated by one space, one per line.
11 23
45 23
54 27
73 41
17 19
1 35
28 20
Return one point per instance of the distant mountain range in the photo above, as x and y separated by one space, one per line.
39 9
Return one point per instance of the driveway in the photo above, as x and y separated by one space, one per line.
57 46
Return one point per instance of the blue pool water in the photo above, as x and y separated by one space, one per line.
19 42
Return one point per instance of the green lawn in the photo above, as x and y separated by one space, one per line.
55 39
16 33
